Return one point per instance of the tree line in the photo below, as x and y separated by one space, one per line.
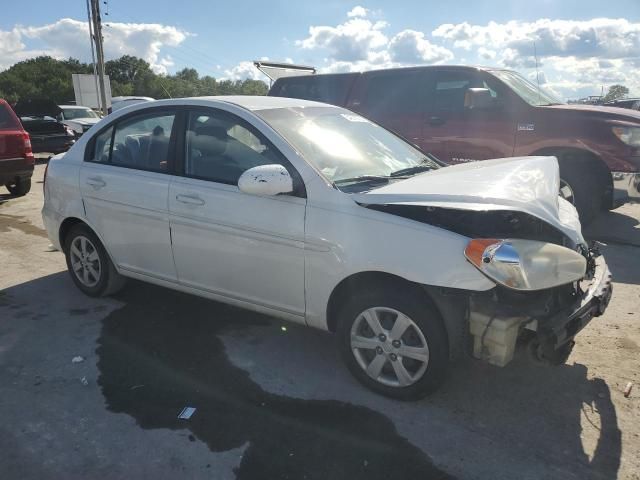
47 77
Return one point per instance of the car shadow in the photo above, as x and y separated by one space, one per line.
617 226
280 392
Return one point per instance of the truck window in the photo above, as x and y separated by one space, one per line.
450 89
393 93
331 89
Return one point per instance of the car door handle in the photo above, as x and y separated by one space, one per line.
435 120
96 182
190 199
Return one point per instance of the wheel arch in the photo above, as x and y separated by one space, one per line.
451 304
602 171
66 226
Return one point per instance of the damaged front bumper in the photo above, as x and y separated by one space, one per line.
555 318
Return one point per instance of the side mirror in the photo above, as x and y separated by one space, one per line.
266 180
478 99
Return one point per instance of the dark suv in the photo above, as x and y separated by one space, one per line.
16 157
464 114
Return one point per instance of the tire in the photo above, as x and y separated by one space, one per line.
20 187
586 189
425 328
96 275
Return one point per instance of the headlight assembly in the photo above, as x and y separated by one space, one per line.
525 264
628 135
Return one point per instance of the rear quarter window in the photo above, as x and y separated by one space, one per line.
8 120
331 89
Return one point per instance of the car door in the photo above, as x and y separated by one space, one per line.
456 133
394 99
244 247
124 183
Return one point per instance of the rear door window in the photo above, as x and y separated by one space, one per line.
331 89
393 93
8 121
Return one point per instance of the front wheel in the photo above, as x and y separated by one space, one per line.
89 264
19 187
394 342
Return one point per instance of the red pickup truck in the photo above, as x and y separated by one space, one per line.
464 114
16 157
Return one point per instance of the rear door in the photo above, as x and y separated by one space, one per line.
12 136
456 133
124 182
394 99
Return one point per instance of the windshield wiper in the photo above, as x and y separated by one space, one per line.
362 179
412 170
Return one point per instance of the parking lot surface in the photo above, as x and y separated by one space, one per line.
273 400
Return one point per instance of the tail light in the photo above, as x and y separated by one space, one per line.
27 152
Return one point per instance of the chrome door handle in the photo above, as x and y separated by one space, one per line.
96 182
190 199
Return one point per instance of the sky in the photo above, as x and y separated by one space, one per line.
581 46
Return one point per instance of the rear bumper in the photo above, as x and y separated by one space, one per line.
626 187
55 144
15 168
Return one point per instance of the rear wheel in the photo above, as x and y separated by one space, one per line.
19 187
89 264
394 342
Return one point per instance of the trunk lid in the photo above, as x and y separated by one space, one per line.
522 184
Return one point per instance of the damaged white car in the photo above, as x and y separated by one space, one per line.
313 214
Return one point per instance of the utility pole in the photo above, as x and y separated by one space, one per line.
97 37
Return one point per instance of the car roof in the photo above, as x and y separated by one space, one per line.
255 102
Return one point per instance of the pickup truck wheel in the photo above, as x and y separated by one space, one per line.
581 186
89 264
19 187
394 343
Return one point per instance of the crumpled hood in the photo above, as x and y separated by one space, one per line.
524 184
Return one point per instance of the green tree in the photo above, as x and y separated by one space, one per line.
615 92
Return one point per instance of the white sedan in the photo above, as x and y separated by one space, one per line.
313 214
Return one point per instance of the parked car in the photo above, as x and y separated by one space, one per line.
38 117
78 118
124 101
632 103
16 157
313 214
464 114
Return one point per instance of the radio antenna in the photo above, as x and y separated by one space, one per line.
535 55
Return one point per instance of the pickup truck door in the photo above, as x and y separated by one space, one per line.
394 99
456 134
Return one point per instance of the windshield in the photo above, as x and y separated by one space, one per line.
73 113
529 92
343 146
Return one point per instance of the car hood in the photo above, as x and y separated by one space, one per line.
39 107
522 184
609 112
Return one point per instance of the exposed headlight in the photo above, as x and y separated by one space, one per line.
628 135
525 264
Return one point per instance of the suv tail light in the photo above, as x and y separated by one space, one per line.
27 153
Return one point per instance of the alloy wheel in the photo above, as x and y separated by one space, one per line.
389 346
85 261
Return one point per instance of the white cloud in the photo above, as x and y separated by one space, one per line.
358 12
242 71
70 38
361 44
410 47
